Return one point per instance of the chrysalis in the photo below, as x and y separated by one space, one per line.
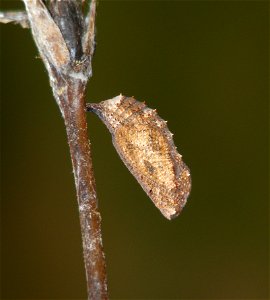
144 143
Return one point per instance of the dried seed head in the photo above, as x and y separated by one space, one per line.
145 145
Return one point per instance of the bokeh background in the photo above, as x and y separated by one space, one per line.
204 66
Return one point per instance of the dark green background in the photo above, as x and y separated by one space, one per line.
204 66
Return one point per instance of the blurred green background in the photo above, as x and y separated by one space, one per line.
204 66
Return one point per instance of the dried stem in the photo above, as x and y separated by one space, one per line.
75 120
65 41
16 17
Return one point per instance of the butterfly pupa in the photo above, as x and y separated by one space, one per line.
145 145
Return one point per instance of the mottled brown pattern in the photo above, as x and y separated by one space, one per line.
145 145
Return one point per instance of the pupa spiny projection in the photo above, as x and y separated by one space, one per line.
145 145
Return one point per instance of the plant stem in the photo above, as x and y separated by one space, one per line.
72 104
65 39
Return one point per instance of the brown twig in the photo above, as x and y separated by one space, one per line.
75 120
65 41
16 17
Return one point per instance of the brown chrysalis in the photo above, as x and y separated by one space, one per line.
144 143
